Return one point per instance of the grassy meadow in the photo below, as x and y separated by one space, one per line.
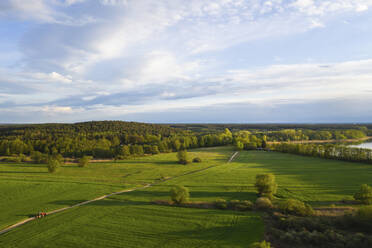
131 220
28 188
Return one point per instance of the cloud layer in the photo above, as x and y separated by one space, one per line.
139 60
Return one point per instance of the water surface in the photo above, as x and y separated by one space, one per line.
365 145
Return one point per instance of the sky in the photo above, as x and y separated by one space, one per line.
194 61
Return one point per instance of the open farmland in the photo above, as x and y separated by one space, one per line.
131 220
29 188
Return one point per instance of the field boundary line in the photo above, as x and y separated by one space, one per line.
9 228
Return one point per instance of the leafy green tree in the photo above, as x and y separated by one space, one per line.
250 146
239 145
179 194
37 157
292 206
364 194
84 161
53 165
125 151
262 244
182 157
155 149
176 145
266 185
263 203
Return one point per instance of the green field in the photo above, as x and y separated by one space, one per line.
28 188
130 220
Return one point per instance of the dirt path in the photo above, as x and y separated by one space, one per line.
108 195
232 157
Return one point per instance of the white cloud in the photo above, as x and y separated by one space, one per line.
321 8
163 50
361 7
43 11
56 109
114 2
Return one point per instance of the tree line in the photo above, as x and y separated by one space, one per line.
102 140
247 140
118 139
330 151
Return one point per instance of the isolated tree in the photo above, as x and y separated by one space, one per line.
182 157
179 194
266 185
84 161
364 194
53 165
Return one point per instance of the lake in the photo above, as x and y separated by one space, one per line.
365 145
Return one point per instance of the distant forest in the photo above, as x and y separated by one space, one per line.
119 139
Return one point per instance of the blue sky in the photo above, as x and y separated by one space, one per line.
160 61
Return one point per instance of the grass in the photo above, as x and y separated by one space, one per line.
130 220
28 188
118 223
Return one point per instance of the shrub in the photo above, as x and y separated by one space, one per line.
179 194
263 203
250 146
262 244
23 157
39 158
266 185
244 205
220 204
232 203
53 165
15 159
365 213
84 161
292 206
182 157
364 195
197 160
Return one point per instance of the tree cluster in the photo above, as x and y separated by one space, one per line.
329 151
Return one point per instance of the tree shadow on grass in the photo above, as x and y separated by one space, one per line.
32 165
24 172
208 195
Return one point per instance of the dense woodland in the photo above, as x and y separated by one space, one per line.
118 139
329 151
270 127
106 139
